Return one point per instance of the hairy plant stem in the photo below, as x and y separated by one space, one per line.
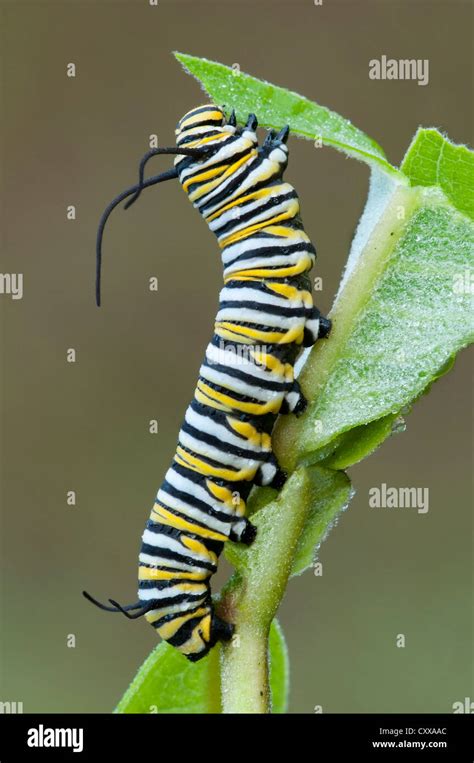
251 600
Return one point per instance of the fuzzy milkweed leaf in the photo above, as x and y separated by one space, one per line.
432 160
168 683
275 107
403 314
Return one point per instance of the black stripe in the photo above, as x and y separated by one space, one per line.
165 568
199 110
221 163
181 495
264 307
235 373
174 615
161 603
280 351
225 196
207 459
231 185
162 585
182 515
222 445
254 326
207 132
252 214
268 251
167 553
185 632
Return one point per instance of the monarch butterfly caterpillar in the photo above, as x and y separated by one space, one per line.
266 314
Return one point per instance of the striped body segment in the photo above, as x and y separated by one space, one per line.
266 314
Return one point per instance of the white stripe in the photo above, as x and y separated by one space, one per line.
246 315
188 486
251 368
263 169
161 541
244 207
246 293
200 448
240 145
188 511
267 262
209 426
172 608
236 385
168 593
240 247
161 561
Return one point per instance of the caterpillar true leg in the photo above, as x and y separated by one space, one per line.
316 327
325 325
243 531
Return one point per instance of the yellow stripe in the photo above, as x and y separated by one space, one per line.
205 628
285 290
269 361
234 336
167 518
274 336
294 334
259 409
207 401
202 116
195 643
191 462
288 215
292 293
226 497
285 232
152 573
203 176
251 196
301 266
201 141
167 630
292 211
223 494
246 430
198 548
214 183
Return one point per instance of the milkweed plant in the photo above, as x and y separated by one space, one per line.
402 312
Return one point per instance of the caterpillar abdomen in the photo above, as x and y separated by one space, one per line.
266 314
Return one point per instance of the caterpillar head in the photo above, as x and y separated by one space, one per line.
202 126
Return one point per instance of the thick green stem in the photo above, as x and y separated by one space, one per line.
244 672
252 599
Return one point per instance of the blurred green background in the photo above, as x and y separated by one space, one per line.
84 426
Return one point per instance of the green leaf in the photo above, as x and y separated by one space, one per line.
169 683
279 668
276 107
403 313
329 493
358 443
290 507
433 160
314 496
